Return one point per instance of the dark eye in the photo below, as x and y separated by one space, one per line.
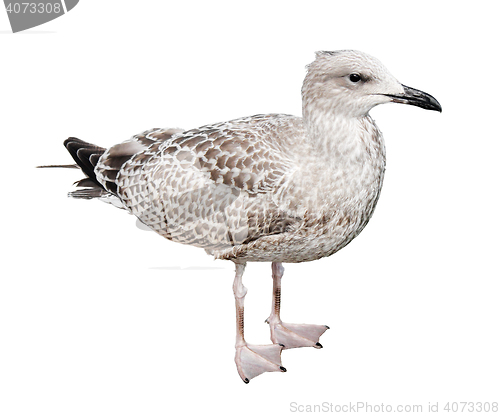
355 77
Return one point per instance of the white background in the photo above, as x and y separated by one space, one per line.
100 318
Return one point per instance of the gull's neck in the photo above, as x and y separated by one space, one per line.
340 139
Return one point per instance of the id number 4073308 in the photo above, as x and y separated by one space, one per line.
466 407
25 8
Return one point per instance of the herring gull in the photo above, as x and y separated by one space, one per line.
275 188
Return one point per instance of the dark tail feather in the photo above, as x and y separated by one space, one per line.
86 155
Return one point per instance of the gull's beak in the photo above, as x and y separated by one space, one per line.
415 97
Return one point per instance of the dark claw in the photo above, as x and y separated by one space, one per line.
319 345
283 345
266 321
327 327
283 369
246 381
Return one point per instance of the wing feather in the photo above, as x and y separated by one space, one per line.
213 187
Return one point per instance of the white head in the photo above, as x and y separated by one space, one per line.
351 83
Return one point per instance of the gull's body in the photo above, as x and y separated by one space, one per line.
273 187
252 189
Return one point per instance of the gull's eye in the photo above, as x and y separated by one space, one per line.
355 77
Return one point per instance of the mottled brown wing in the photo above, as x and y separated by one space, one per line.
211 187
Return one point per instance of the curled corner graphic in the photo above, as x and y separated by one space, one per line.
25 14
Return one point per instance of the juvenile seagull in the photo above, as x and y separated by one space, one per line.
273 187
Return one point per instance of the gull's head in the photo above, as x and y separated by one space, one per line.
351 83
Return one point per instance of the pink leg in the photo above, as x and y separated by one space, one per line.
290 335
251 360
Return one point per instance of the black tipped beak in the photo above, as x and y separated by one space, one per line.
415 97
